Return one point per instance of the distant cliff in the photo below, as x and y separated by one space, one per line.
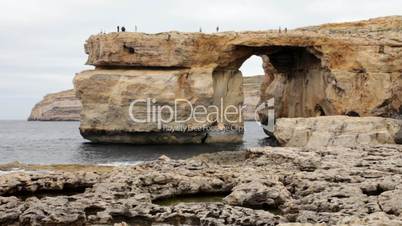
251 90
62 106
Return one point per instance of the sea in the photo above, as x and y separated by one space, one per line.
61 143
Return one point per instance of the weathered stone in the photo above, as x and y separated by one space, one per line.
61 106
349 68
336 131
31 183
373 219
390 202
110 117
266 193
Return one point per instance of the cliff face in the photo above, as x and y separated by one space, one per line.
62 106
333 69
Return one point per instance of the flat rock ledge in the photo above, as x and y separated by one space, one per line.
337 131
260 186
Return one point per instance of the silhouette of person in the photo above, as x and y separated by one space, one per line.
200 29
123 29
118 28
286 30
217 29
135 28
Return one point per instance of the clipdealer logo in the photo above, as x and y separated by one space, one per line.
149 111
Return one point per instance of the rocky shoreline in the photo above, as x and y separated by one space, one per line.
331 170
259 186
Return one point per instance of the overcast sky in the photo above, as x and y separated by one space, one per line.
41 41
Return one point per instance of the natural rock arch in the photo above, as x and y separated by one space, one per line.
322 70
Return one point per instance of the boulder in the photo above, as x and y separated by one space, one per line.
263 194
390 202
336 131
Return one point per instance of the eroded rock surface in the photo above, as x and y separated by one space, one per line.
332 69
61 106
263 186
337 131
112 116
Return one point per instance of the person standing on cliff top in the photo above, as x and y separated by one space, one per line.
118 28
123 29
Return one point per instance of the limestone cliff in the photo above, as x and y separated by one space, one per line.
61 106
334 69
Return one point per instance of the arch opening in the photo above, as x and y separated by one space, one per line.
253 75
294 77
253 66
